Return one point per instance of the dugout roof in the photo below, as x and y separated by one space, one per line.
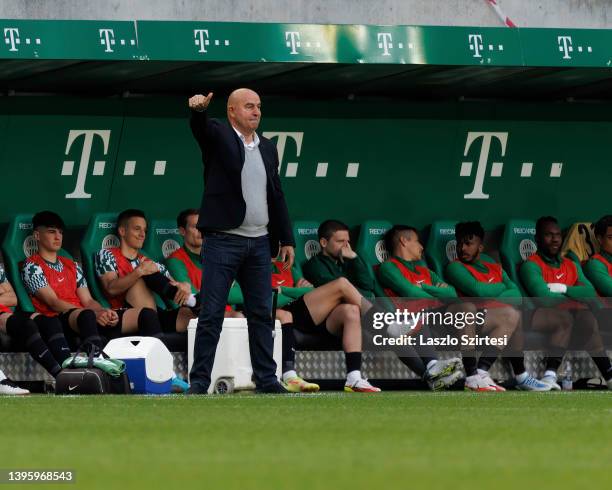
416 62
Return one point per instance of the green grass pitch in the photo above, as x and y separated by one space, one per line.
406 440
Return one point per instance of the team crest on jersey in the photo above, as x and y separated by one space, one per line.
110 241
30 247
527 248
381 252
311 248
451 250
169 246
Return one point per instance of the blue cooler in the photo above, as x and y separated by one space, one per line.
148 363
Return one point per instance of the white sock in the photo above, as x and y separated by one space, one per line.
482 372
2 375
431 363
191 301
287 375
549 372
521 377
353 377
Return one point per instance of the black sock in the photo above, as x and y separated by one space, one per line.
353 361
88 328
425 351
160 284
149 324
51 331
469 363
414 363
27 331
518 364
602 361
485 362
553 363
288 348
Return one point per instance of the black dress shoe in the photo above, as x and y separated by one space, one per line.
275 388
196 390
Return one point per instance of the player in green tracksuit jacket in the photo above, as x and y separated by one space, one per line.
548 275
598 269
476 275
337 259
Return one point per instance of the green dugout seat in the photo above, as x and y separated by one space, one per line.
163 238
101 233
371 248
18 245
518 244
307 244
441 246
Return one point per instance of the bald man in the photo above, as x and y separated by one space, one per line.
244 221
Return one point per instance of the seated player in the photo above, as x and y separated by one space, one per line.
57 287
338 261
129 279
49 349
561 283
477 276
185 266
598 269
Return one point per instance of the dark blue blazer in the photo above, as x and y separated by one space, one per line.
223 206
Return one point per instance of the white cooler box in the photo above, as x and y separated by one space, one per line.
148 363
232 369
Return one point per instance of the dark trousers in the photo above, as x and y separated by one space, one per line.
227 257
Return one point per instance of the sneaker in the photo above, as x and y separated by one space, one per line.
8 387
441 369
179 385
487 379
361 386
532 384
478 384
445 381
300 385
551 380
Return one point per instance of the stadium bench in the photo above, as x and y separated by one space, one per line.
518 244
163 238
441 246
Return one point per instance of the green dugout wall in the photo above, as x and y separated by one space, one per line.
402 123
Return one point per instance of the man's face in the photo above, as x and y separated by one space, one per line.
333 247
409 240
191 235
606 241
470 249
49 238
245 112
550 239
134 232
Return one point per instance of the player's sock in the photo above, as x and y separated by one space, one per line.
160 284
413 361
518 365
148 323
287 375
470 363
602 361
488 357
288 347
353 361
88 328
51 331
27 331
353 376
553 363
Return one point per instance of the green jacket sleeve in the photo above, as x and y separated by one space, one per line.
179 273
463 280
597 273
585 290
439 292
390 277
359 275
317 272
512 290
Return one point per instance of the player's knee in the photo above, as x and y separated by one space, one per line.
343 283
284 316
86 316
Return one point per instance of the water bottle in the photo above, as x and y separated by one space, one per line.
567 382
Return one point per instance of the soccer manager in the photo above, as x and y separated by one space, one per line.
244 219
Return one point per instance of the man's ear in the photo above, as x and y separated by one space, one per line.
480 248
121 231
323 242
181 231
36 235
